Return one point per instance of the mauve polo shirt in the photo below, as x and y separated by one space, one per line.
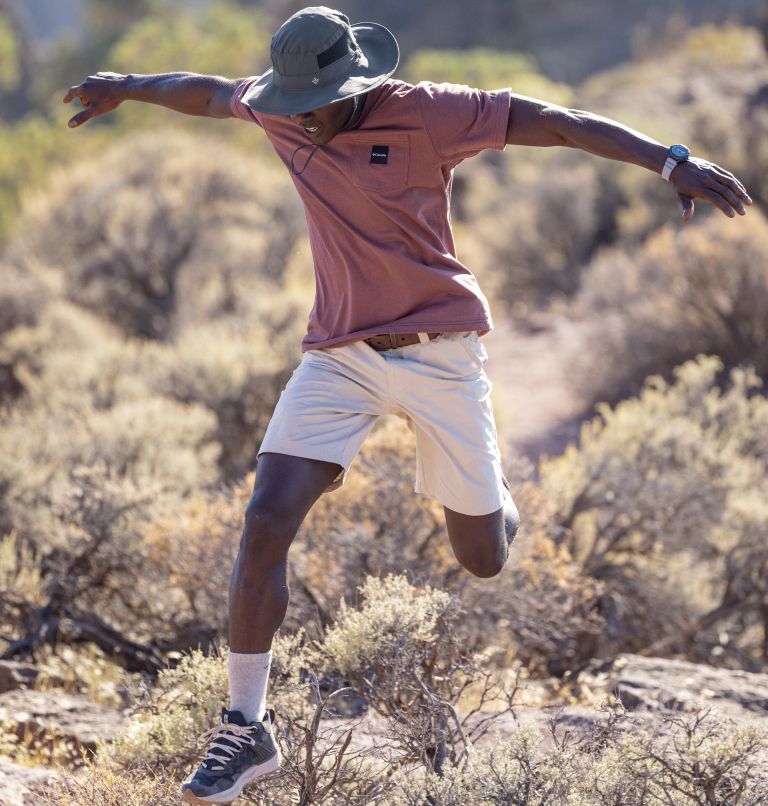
377 203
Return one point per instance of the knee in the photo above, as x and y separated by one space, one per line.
485 564
485 569
267 535
511 521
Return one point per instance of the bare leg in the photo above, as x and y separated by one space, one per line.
481 542
286 487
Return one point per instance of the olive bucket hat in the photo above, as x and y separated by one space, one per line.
318 58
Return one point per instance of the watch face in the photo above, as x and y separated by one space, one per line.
679 152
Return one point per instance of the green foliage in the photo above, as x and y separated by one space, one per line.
219 39
487 69
29 151
9 56
729 44
393 632
107 19
661 485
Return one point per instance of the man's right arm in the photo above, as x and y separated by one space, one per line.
190 93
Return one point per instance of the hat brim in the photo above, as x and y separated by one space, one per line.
382 53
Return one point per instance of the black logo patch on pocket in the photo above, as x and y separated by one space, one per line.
379 155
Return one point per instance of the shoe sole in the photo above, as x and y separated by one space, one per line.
270 766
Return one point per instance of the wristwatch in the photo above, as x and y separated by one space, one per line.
677 154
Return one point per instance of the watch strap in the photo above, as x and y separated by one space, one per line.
669 166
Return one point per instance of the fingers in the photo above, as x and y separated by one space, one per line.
729 179
74 92
703 180
729 195
717 200
82 117
688 206
90 97
723 183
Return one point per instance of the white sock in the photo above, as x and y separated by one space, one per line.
248 675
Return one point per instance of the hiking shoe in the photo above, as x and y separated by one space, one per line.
239 752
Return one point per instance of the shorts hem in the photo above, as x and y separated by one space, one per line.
461 507
302 451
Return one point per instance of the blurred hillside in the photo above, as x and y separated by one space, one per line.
570 40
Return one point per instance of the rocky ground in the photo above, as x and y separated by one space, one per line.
647 688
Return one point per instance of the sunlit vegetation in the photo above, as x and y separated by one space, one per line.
154 282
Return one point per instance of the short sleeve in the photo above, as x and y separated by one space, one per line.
462 121
239 109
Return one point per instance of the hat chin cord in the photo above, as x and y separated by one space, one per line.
354 117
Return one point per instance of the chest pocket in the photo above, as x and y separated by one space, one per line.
380 162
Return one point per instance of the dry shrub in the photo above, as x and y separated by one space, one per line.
662 501
98 784
71 359
524 233
700 290
703 87
374 524
235 372
543 611
318 764
399 648
155 444
22 297
87 459
507 772
194 549
689 760
96 584
71 355
154 238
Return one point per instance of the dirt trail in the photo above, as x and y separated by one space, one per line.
538 411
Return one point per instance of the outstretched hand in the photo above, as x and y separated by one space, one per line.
699 179
99 94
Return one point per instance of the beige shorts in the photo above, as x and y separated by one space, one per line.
336 395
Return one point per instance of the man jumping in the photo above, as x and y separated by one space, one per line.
397 318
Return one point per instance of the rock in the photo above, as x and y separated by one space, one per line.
23 786
659 684
37 713
15 675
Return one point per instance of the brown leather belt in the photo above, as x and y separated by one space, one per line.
391 341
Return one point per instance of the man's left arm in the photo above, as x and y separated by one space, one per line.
537 123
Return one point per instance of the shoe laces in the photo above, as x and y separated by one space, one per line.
227 741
